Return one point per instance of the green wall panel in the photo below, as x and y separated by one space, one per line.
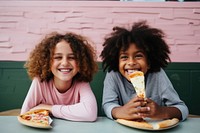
185 78
195 92
14 84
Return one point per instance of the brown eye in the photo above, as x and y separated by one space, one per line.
123 57
57 57
139 55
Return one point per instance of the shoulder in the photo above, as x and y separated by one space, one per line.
114 79
158 78
80 85
38 80
38 84
113 75
159 74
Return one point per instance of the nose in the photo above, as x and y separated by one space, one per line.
64 62
131 61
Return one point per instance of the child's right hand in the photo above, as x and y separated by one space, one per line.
131 110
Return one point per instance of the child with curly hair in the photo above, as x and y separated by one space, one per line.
61 67
142 48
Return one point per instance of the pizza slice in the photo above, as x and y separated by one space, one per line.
137 79
37 118
136 124
150 124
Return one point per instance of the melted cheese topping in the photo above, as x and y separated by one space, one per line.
137 79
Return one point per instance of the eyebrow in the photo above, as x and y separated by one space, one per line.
62 54
122 53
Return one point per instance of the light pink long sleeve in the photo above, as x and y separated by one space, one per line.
77 104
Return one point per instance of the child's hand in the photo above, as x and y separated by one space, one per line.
160 112
155 111
131 110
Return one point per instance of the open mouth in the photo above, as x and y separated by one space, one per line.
129 71
64 70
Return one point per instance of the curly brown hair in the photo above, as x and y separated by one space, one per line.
150 40
40 59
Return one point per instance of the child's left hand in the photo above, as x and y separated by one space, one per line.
155 112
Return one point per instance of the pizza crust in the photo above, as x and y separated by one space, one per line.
149 125
135 124
32 124
167 123
43 111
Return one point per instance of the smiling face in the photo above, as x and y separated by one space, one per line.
64 66
133 59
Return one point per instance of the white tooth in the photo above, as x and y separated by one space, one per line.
131 71
64 70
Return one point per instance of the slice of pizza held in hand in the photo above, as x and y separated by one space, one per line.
36 118
137 80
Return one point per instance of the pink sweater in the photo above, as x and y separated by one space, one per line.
77 104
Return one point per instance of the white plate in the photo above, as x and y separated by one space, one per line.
150 121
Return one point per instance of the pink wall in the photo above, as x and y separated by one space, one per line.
24 23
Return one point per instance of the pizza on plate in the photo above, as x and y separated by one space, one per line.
137 80
150 124
36 118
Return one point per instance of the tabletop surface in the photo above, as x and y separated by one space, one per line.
10 124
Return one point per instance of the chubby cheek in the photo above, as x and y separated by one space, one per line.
76 65
145 68
120 67
122 70
53 69
53 65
